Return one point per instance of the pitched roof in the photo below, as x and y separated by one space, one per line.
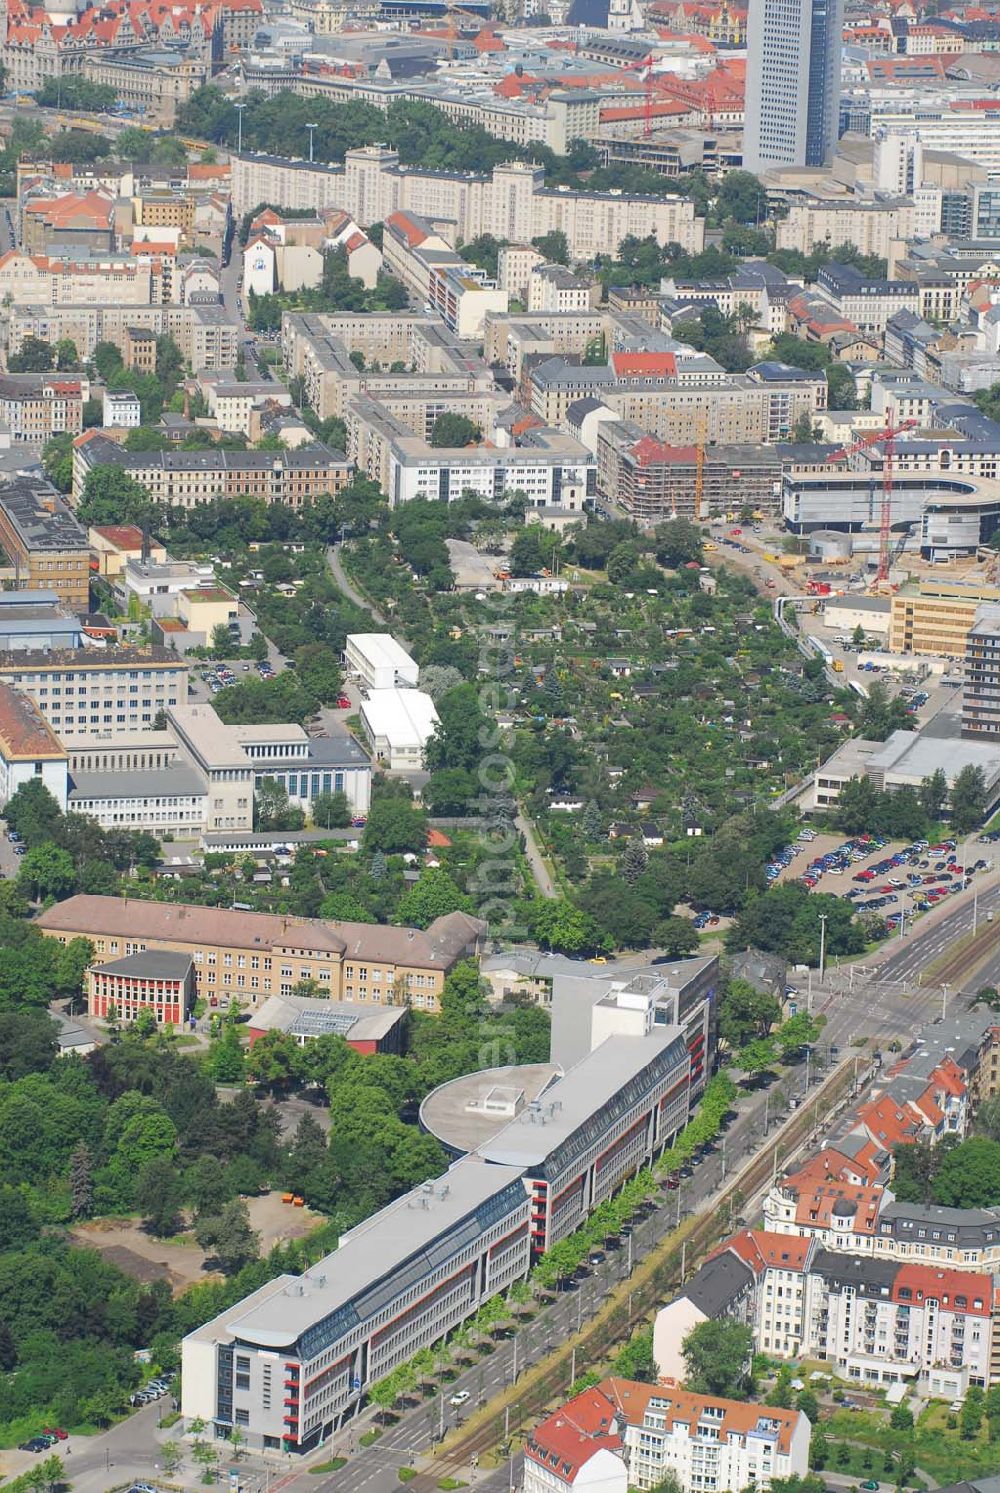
924 1282
682 1411
437 947
649 365
565 1442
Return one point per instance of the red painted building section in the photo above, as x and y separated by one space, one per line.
368 1028
146 980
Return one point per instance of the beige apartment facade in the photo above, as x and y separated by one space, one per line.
250 956
513 204
936 618
98 691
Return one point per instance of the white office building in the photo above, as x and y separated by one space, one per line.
377 661
398 724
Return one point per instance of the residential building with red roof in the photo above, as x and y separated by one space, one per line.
880 1321
706 1441
579 1447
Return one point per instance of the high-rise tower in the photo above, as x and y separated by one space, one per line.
793 82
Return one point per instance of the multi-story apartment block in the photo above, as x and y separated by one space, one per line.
318 348
552 287
724 409
512 204
622 1434
82 279
43 541
37 406
98 691
249 956
183 479
705 1441
653 481
207 335
981 694
878 1321
879 228
550 468
866 304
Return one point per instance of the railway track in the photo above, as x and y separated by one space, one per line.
653 1281
955 967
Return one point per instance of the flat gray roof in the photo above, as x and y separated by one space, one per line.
159 782
918 755
600 1079
151 964
398 1246
470 1111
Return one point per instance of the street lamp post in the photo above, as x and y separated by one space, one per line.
312 131
944 1001
239 127
822 945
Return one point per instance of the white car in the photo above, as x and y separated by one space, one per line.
460 1397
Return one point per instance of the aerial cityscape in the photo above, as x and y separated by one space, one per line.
500 746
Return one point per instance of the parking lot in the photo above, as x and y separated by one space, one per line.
895 880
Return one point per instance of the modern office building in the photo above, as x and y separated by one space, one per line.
937 616
793 82
981 694
378 661
289 1363
34 619
158 981
941 515
200 776
398 724
251 955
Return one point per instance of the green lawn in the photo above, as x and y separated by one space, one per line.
935 1449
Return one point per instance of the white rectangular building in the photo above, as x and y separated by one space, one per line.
121 407
398 724
379 662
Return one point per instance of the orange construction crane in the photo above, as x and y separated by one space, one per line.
645 67
699 468
886 438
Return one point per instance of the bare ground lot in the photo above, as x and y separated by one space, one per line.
179 1260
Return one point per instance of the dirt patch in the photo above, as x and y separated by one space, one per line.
179 1261
277 1222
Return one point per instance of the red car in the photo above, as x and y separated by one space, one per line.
343 703
55 1431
